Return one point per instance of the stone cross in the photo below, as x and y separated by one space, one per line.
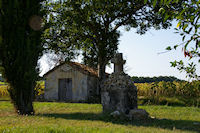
118 63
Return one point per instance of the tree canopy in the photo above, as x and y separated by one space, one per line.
188 26
93 26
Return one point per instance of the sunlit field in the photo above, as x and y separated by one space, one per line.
84 118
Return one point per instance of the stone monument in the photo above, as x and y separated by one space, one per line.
118 91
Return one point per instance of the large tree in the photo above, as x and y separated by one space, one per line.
20 48
93 25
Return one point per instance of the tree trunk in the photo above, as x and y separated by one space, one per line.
101 69
101 74
25 106
22 99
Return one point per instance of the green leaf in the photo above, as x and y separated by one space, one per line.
165 1
176 1
145 1
173 64
185 26
166 17
168 2
161 10
178 25
181 62
161 2
175 47
187 44
189 30
168 48
183 38
154 3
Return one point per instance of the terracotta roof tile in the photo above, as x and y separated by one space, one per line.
80 67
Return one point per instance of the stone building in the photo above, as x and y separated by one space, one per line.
71 82
1 78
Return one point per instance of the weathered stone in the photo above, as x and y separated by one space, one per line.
71 82
115 114
138 114
119 62
118 92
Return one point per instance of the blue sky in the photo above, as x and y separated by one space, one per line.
141 53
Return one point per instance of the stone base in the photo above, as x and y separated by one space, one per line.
119 94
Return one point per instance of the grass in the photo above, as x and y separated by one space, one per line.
84 118
2 83
170 101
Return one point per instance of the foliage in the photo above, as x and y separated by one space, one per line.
188 26
187 92
93 26
20 48
4 91
75 118
38 90
154 79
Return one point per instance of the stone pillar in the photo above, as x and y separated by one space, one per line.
119 92
118 63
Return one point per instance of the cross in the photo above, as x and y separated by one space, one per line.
118 63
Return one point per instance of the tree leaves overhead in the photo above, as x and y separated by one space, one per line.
188 26
92 26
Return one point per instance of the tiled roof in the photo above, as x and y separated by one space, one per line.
78 66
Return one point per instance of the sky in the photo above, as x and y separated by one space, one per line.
141 53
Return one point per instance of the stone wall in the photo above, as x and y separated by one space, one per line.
93 89
79 84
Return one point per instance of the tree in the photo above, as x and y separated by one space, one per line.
93 26
154 79
188 26
20 48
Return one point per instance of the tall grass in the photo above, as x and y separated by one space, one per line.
39 89
186 93
4 91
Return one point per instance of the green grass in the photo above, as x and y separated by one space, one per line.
84 118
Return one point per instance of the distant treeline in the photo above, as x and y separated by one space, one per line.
154 79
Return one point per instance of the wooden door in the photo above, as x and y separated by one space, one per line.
68 84
65 89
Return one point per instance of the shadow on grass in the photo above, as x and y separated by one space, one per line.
4 99
186 125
